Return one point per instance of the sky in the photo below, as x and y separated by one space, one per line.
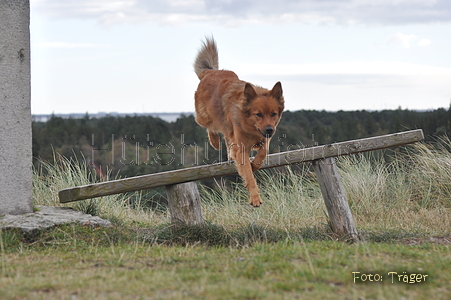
136 56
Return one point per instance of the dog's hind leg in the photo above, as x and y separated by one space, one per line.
214 139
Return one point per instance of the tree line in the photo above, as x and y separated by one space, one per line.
135 145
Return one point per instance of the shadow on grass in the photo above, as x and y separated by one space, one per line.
208 234
393 236
215 235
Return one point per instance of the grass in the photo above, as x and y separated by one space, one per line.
283 250
122 209
83 263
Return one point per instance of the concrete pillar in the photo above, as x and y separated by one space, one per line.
15 111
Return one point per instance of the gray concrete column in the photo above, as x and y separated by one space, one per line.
15 111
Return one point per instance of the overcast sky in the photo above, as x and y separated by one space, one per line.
136 56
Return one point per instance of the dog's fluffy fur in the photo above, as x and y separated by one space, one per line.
246 115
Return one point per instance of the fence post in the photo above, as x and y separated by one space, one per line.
184 204
335 198
15 110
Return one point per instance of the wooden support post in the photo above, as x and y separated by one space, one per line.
335 198
184 204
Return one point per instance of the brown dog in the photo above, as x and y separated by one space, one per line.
245 114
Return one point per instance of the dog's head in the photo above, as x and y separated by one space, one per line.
263 108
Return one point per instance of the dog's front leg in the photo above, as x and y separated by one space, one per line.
259 158
244 168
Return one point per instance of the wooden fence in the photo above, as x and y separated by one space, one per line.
183 195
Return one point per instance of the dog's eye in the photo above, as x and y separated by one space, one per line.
260 115
273 114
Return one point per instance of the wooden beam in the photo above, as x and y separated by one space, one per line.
227 168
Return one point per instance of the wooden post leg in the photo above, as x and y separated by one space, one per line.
335 198
184 204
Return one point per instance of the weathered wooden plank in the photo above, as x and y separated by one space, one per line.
184 204
335 198
228 168
145 182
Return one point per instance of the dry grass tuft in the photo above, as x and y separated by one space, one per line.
410 193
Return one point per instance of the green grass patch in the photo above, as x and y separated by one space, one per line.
76 262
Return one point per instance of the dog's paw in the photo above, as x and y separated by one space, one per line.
255 167
256 202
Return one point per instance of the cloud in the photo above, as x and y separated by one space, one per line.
378 68
67 45
407 40
424 43
403 39
382 12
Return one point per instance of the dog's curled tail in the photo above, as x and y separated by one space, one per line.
207 58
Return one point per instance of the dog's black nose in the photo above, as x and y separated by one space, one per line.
269 130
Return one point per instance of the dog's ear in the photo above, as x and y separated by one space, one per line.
249 92
277 92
